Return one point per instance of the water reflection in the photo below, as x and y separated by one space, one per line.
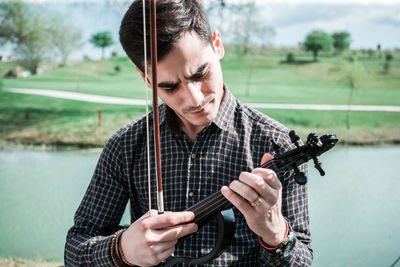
354 208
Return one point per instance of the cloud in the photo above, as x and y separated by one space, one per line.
391 17
366 23
331 2
280 15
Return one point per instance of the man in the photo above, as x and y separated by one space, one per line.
209 141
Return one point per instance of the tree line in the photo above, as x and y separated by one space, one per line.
320 41
36 34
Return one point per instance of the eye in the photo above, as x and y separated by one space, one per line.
201 75
171 89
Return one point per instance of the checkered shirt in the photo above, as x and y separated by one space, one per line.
234 142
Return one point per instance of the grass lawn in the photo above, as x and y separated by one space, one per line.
60 122
14 262
259 77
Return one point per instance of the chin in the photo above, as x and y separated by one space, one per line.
203 120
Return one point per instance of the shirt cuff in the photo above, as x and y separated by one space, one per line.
299 255
101 251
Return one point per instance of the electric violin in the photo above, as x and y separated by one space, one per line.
216 206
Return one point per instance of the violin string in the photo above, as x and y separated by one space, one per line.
203 210
216 203
209 206
207 213
208 202
147 103
278 165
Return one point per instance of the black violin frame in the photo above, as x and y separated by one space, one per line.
216 206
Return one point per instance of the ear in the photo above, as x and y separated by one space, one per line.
218 46
143 77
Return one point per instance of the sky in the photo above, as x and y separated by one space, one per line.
368 21
368 24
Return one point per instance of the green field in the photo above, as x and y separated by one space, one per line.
259 77
16 262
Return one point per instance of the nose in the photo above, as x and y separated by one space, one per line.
194 96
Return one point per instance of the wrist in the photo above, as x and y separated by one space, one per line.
279 240
121 251
284 249
117 254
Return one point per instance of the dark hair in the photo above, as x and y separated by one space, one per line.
174 17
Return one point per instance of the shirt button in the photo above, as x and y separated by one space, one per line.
193 156
191 194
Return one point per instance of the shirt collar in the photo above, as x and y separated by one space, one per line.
226 111
223 120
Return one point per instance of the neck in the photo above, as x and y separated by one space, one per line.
192 131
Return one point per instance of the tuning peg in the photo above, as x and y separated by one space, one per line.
299 176
314 140
276 147
294 138
317 165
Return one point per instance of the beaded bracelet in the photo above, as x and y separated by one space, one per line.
121 255
115 251
112 249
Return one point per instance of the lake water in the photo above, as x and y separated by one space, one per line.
354 209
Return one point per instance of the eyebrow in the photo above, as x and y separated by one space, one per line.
198 71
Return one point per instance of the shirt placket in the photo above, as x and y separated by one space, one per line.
193 178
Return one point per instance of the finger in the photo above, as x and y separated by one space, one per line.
266 157
163 246
268 176
242 205
148 214
155 257
258 185
169 219
166 253
244 189
175 232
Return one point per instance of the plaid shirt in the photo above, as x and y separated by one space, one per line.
234 142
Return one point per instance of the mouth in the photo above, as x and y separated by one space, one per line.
197 111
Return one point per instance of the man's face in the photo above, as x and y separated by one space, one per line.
190 80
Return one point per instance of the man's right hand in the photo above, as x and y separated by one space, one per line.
151 239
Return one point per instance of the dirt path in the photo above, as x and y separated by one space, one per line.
141 102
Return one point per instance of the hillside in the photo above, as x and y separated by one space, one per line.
256 78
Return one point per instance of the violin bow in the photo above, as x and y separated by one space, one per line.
156 120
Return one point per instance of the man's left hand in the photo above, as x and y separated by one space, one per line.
258 196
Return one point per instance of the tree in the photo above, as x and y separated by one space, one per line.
9 24
355 76
317 41
341 41
34 34
247 29
386 66
102 40
65 37
27 30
